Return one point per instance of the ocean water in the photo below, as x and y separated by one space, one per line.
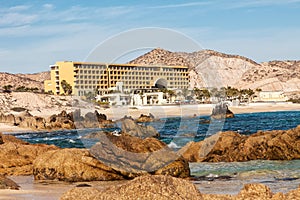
281 176
178 131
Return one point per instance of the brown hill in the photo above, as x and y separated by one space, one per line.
209 68
27 80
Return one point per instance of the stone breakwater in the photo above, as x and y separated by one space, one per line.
62 120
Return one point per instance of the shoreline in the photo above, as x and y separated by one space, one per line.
40 189
168 111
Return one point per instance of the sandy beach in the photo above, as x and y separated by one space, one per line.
194 110
191 110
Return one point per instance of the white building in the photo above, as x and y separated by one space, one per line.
270 96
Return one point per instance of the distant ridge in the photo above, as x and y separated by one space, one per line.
35 80
209 68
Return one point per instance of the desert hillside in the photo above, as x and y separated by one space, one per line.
35 80
213 69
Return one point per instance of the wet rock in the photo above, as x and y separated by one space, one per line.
6 183
144 187
131 128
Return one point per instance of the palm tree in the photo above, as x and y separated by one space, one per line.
66 87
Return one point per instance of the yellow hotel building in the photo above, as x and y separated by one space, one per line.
87 77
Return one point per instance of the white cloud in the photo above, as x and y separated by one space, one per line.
257 3
18 8
48 6
16 19
179 5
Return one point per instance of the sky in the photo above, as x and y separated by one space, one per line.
36 33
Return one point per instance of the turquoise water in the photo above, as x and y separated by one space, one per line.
229 178
273 170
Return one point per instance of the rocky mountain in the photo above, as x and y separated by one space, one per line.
27 80
209 68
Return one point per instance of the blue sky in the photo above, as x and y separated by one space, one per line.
36 33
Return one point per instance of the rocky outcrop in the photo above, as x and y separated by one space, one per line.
72 165
144 187
133 156
90 120
166 187
62 120
8 119
17 156
231 146
129 127
221 111
113 158
6 183
145 118
256 191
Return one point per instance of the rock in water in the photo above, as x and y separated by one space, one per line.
131 128
145 118
118 157
233 147
156 187
221 111
132 156
17 156
6 183
72 165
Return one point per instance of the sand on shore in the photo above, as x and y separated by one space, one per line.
189 110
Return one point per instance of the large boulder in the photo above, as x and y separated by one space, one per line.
17 156
133 156
145 118
112 158
231 146
32 122
221 111
91 120
254 191
131 128
72 165
145 187
6 183
62 120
